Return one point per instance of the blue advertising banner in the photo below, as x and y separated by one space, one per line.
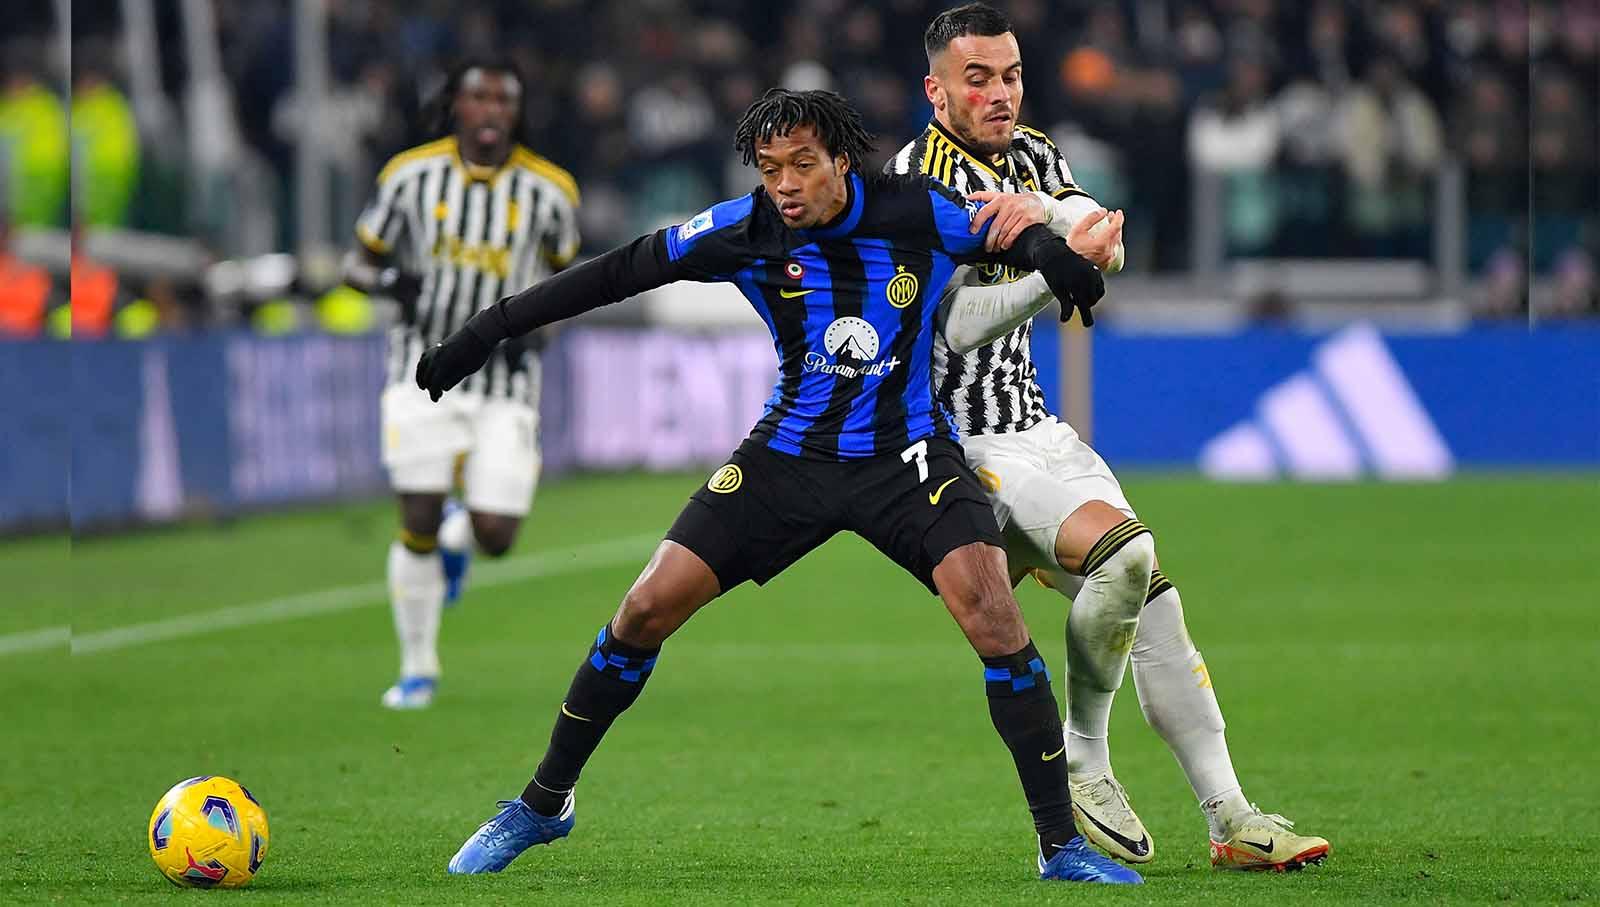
1267 403
34 435
185 426
190 426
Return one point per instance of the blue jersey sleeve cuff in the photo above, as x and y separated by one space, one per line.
682 238
954 223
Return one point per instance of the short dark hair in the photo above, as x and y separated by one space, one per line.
780 110
438 115
967 19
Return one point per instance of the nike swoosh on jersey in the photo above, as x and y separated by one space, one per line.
933 496
569 714
1042 756
1140 847
794 294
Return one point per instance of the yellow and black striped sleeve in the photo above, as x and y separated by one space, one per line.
561 239
1054 173
379 226
383 222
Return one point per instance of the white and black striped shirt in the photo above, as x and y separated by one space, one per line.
473 234
993 389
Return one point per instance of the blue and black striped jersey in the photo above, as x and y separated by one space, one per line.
850 304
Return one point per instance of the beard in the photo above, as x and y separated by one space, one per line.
970 130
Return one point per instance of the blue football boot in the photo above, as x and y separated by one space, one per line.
1078 862
514 829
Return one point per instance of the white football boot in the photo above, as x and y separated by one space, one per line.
1266 841
1101 810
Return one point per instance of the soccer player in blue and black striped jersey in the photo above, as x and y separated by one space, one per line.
846 269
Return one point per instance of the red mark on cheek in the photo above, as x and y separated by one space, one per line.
974 97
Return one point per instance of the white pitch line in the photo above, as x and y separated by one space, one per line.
327 601
33 640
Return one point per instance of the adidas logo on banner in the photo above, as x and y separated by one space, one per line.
1353 413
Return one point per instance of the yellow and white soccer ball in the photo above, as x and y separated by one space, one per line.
208 832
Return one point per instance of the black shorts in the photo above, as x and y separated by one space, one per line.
766 509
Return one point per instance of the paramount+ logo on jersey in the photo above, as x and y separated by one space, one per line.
852 346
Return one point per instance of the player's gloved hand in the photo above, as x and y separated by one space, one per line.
450 362
1075 281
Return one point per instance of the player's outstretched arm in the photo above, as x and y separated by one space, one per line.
972 314
1072 278
708 247
623 272
1088 228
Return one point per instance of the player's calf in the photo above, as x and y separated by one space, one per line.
975 588
416 595
973 583
674 585
1100 631
1105 613
608 682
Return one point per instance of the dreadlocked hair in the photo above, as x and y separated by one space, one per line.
780 111
438 114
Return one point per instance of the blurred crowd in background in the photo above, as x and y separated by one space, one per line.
1328 127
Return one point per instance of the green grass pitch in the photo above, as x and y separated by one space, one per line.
1408 670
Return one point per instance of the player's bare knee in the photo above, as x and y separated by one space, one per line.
494 534
971 575
1082 530
648 615
421 514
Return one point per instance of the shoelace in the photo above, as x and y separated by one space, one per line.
1118 799
494 831
1274 818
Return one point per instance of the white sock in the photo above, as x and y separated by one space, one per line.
1222 810
416 595
455 533
1087 757
1175 693
1100 631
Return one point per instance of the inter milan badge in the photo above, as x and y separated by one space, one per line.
794 270
902 289
726 480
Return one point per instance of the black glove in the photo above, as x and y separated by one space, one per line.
450 362
1075 281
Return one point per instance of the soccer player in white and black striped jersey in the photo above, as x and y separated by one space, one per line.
455 225
1062 512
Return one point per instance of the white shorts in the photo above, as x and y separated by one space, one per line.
499 439
1036 478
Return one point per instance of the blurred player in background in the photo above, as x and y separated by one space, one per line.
1063 514
846 272
457 224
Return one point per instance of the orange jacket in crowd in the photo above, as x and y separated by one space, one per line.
94 295
24 295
